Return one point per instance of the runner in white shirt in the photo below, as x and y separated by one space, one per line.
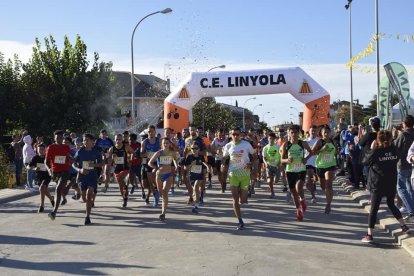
310 164
241 155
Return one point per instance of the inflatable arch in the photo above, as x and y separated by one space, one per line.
293 80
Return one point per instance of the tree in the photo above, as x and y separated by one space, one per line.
344 112
215 115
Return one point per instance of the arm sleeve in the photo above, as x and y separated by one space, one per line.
368 157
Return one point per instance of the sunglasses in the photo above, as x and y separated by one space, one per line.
236 134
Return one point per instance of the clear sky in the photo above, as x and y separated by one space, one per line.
199 35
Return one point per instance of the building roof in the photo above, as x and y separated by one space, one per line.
146 86
232 107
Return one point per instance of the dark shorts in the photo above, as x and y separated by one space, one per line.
194 177
217 164
310 167
84 185
272 171
294 177
211 161
43 181
135 170
148 169
61 177
321 172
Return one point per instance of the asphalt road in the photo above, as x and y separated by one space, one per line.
132 241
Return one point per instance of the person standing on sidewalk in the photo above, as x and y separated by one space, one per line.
403 144
382 161
28 154
58 164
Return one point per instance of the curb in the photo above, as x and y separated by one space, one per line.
385 218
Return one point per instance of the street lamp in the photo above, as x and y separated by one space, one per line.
164 11
351 108
264 114
222 67
254 108
244 116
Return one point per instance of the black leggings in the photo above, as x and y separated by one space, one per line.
375 203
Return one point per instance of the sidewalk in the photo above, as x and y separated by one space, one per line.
9 195
385 217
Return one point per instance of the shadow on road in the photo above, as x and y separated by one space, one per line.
19 240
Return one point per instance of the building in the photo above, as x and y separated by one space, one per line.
150 93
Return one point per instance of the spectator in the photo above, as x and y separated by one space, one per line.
403 144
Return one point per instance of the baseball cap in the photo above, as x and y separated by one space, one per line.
374 120
78 140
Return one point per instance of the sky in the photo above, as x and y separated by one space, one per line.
242 35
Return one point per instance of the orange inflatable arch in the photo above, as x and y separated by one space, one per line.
293 80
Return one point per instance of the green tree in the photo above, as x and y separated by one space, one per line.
344 112
215 115
60 91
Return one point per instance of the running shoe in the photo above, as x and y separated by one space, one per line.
240 226
210 186
64 201
299 215
223 191
313 200
41 209
132 190
124 204
284 189
253 192
76 196
403 210
172 192
408 217
249 193
303 205
367 239
162 217
52 201
194 210
201 201
104 189
87 221
190 201
272 196
405 229
52 215
143 195
147 203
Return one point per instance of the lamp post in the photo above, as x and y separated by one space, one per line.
351 106
164 11
254 108
378 69
203 115
264 114
244 116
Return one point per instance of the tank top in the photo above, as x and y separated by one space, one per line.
326 158
120 159
219 148
151 149
165 159
297 152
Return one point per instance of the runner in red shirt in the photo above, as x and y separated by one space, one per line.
58 164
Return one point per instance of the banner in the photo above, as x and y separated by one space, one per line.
398 78
384 102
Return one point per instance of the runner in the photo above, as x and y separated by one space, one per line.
217 146
263 142
271 159
168 133
293 152
135 171
197 166
310 164
119 155
282 138
87 159
42 177
57 161
239 153
164 161
105 143
208 140
326 163
148 148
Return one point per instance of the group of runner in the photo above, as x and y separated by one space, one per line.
159 164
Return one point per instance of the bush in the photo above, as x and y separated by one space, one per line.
4 169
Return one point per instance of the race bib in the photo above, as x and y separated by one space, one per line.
165 160
298 167
327 158
196 169
60 159
85 165
106 155
119 160
41 167
144 161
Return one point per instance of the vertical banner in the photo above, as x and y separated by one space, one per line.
384 102
398 78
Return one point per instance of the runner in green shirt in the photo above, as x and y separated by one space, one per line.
271 158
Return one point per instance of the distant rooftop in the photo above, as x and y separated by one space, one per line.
146 86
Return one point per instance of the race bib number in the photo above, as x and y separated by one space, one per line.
165 160
327 158
60 159
298 167
85 165
41 167
144 161
119 160
196 169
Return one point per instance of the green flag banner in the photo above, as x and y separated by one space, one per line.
384 102
398 78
